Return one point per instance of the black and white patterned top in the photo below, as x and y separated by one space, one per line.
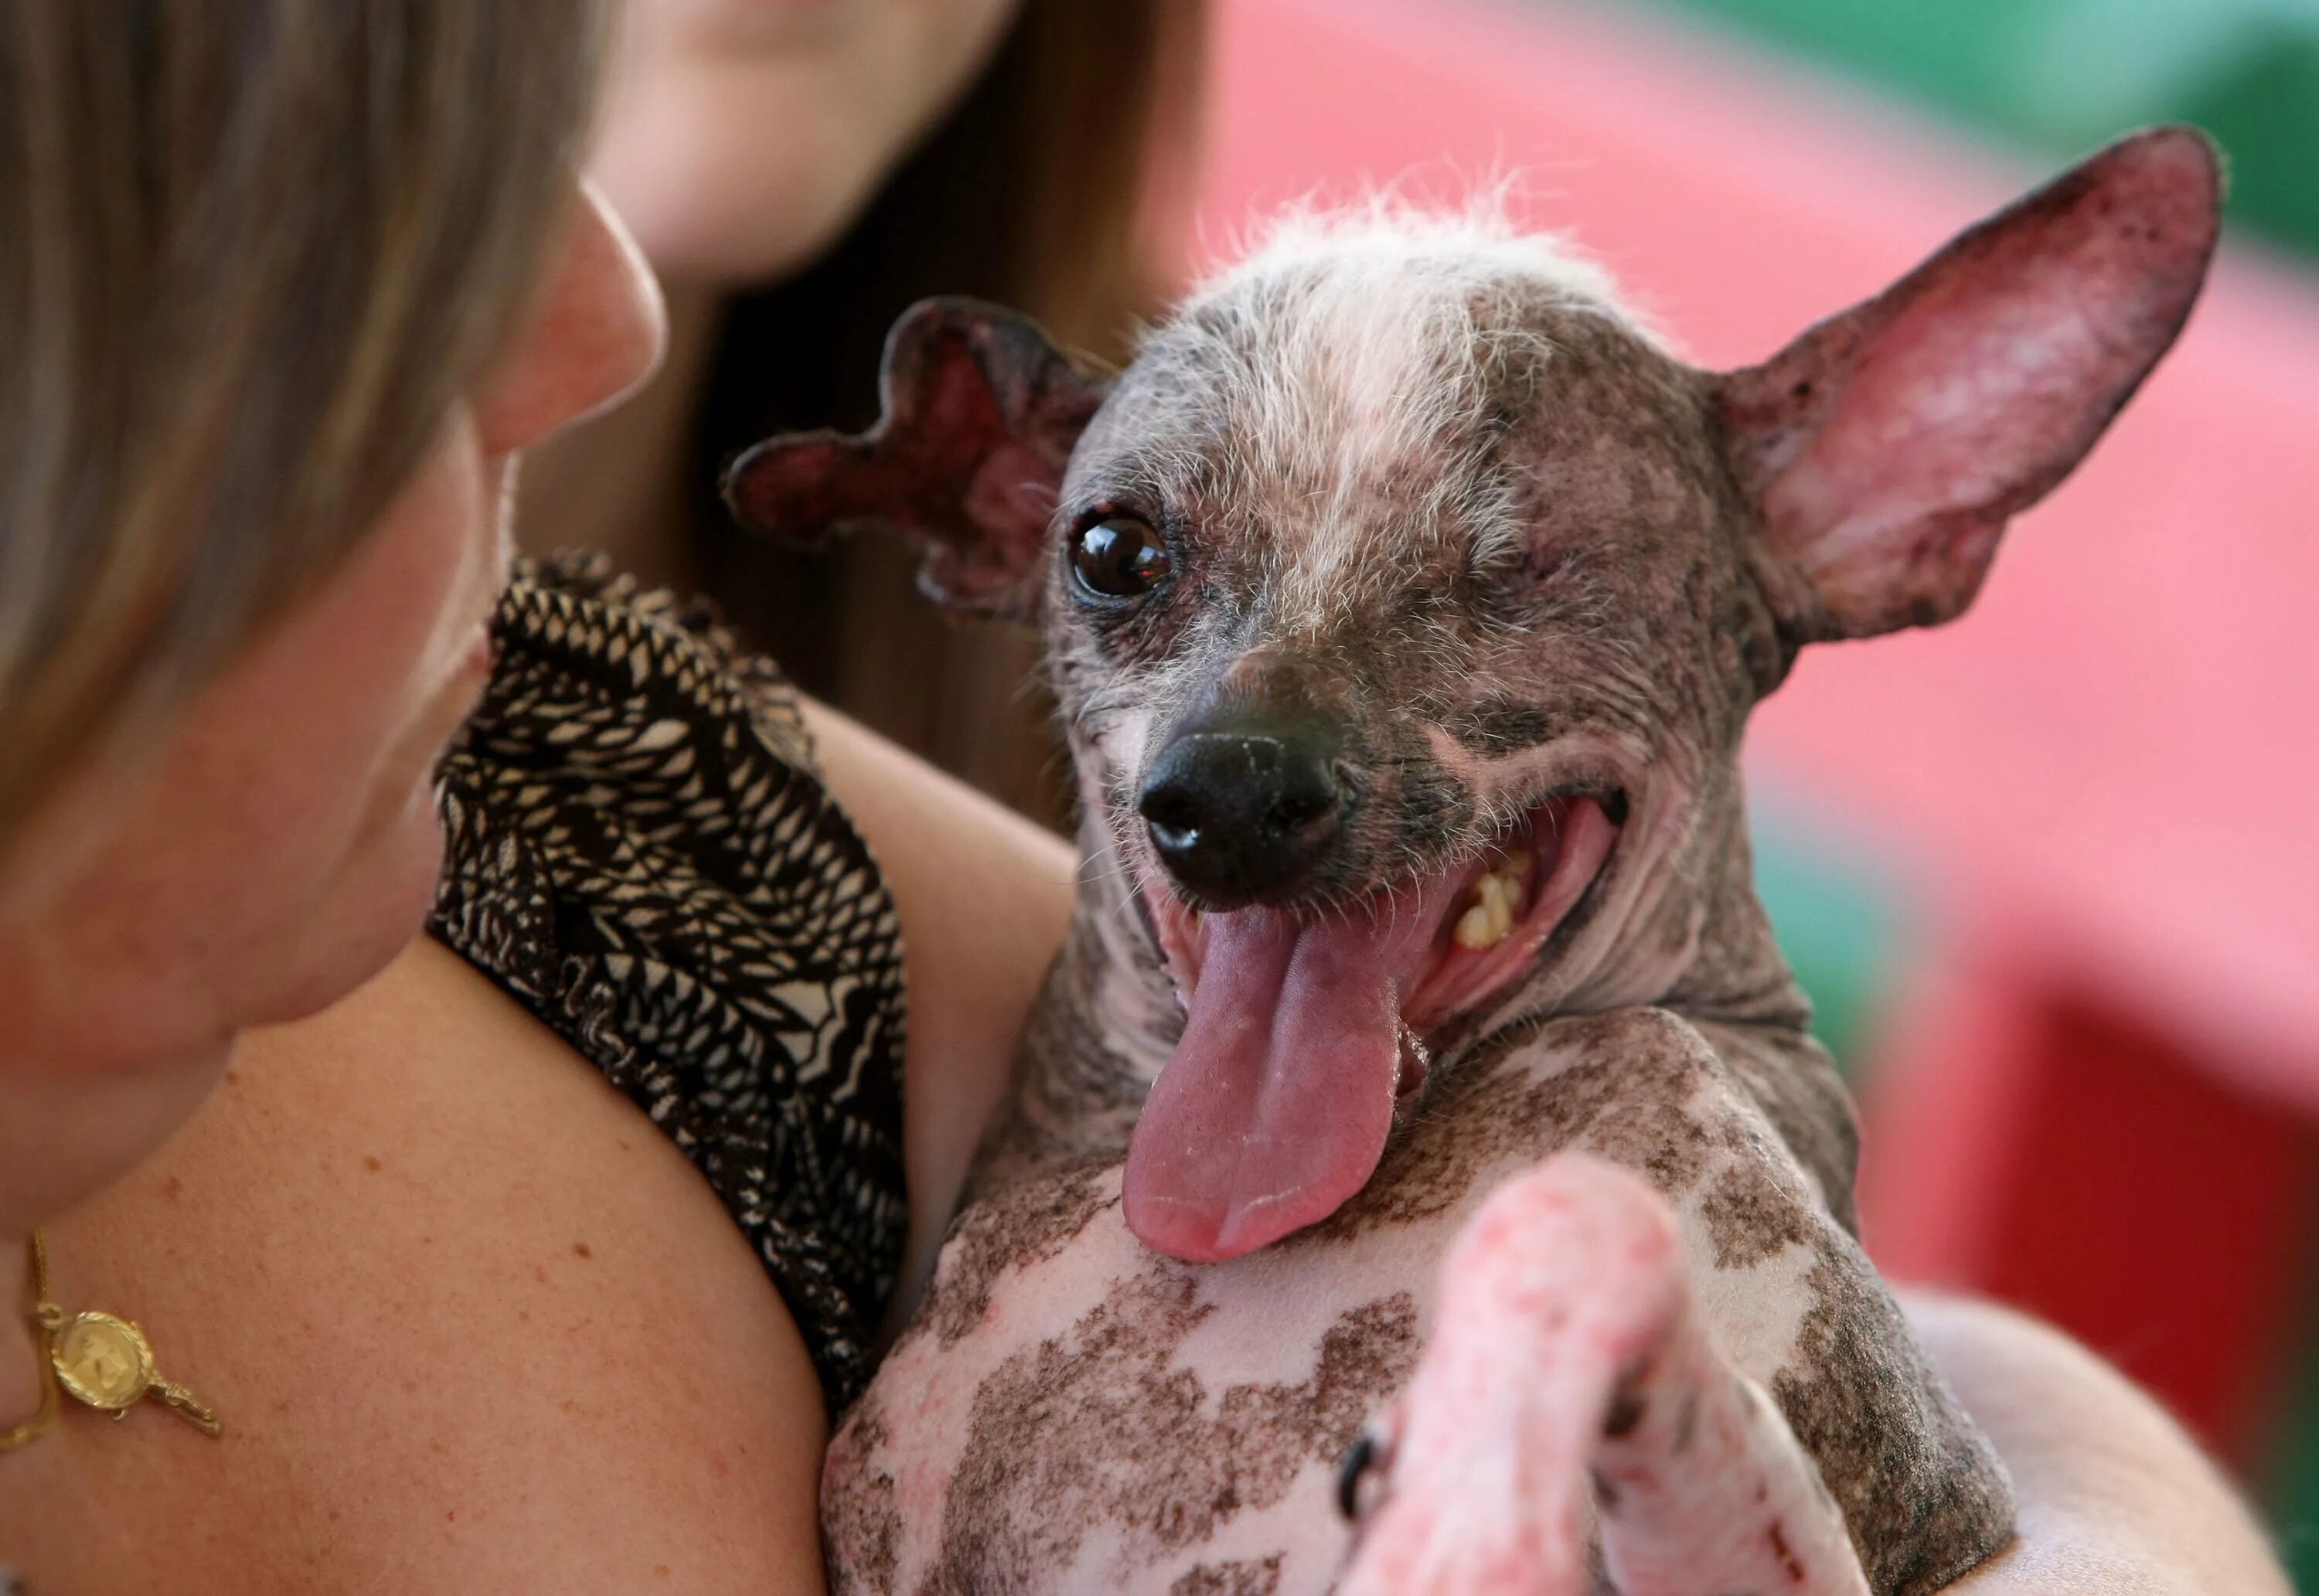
642 853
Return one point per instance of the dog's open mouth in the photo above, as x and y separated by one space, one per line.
1302 1032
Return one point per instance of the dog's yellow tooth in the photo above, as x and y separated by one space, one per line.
1476 930
1515 868
1502 915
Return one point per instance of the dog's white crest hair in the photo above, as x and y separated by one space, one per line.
1355 348
1476 241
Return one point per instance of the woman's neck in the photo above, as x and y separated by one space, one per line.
67 1131
621 482
20 1348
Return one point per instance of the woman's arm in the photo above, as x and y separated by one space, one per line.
2115 1499
985 896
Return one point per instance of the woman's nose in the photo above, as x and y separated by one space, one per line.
594 336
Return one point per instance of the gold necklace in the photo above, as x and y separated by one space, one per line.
98 1360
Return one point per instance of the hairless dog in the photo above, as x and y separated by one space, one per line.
1419 1177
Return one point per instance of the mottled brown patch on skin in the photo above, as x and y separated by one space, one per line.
861 1524
1625 1099
1793 1080
1751 1214
1247 1578
1923 1493
1031 1221
1099 1427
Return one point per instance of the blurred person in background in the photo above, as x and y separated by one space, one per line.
499 1271
798 175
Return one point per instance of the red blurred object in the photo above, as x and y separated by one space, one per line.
2051 1148
2103 777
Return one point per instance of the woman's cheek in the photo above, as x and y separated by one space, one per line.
739 150
315 753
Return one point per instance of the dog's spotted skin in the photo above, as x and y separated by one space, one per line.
1424 484
1112 1420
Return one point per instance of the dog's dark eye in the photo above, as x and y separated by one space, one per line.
1119 557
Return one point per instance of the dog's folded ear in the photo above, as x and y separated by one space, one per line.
1886 447
980 414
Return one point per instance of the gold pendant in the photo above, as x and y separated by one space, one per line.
107 1364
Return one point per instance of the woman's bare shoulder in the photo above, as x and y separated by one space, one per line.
471 1321
2115 1499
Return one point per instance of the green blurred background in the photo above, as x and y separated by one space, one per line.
2061 75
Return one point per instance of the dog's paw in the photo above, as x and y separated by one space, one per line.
1555 1292
1570 1386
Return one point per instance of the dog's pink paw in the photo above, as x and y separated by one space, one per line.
1570 1383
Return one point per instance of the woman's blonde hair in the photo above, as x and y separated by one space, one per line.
251 252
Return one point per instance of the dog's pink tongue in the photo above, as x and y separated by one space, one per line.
1276 1106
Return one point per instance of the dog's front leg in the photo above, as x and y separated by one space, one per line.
1572 1390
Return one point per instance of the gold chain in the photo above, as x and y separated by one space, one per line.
32 1429
100 1360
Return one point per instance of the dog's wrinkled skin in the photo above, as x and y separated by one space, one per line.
1422 483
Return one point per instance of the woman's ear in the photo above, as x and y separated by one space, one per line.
1886 447
980 415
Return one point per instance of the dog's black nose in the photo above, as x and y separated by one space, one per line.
1239 813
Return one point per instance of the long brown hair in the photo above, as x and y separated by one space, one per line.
1039 191
250 251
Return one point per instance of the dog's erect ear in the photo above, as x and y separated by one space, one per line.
980 415
1886 447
